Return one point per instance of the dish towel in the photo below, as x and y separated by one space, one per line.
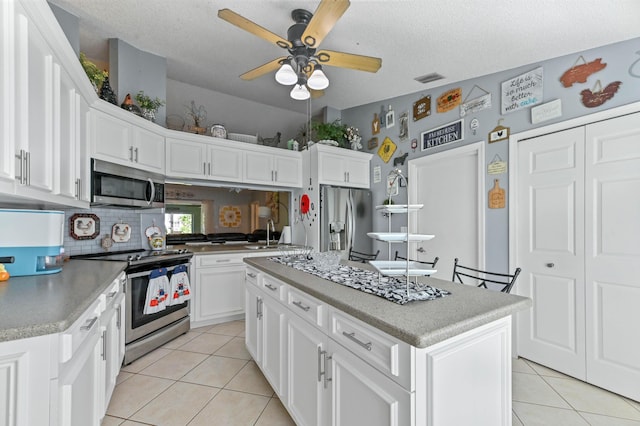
156 300
180 289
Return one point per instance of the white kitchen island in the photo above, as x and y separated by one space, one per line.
339 356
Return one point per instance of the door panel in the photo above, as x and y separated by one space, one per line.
613 254
550 193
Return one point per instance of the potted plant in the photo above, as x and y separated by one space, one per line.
334 131
95 74
148 106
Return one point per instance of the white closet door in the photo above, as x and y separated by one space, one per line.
550 197
613 254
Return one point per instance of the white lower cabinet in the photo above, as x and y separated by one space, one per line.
218 289
330 368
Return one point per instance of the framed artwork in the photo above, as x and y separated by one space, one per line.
391 118
387 149
373 143
84 226
404 126
230 216
422 108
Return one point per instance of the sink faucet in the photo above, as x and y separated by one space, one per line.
273 229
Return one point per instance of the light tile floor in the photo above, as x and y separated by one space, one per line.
206 377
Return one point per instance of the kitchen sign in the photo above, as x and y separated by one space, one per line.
449 133
522 91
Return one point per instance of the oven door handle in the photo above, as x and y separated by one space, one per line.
147 273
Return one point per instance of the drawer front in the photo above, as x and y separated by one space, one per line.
252 276
211 260
307 307
109 296
385 353
274 288
73 337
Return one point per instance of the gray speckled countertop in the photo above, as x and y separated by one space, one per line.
43 304
225 248
420 324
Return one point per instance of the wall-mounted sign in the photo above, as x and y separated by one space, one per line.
499 133
546 111
373 143
449 100
404 126
497 166
377 174
387 149
422 108
452 132
375 124
580 71
522 91
474 125
598 96
476 104
391 118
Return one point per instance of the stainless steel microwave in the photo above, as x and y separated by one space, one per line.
116 185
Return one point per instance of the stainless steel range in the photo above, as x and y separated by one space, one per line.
145 332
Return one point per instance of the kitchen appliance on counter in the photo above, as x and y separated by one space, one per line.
345 219
146 332
116 185
31 241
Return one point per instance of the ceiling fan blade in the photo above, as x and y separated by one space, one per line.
349 60
263 69
324 18
241 22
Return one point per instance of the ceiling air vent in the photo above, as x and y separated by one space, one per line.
428 78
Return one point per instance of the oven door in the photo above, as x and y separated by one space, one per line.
140 324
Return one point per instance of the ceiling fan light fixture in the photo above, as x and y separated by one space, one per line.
300 92
318 80
286 75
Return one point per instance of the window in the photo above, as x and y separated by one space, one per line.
183 218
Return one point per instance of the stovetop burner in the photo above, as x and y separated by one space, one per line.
139 256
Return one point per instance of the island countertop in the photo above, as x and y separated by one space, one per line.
44 304
419 323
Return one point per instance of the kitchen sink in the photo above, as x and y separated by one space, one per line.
259 247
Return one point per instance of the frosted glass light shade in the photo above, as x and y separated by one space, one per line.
300 92
264 212
286 75
318 80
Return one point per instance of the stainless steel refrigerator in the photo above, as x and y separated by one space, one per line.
346 216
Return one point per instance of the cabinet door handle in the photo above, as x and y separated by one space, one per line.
353 337
550 265
320 363
251 274
77 189
259 308
27 168
104 345
270 287
21 161
136 151
112 294
89 323
301 306
204 168
327 359
131 153
348 177
209 169
276 175
119 317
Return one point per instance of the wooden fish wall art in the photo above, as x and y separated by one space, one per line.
592 99
580 73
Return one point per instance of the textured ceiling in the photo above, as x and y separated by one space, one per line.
459 39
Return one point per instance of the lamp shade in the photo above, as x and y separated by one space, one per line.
300 92
318 80
264 212
286 75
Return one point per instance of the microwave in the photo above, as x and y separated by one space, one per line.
121 186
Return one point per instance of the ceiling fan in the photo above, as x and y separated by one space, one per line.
302 67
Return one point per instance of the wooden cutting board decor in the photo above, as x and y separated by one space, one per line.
496 196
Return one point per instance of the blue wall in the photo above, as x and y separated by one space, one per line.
623 64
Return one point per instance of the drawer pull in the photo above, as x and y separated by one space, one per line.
89 324
301 306
112 294
353 337
270 287
251 274
223 260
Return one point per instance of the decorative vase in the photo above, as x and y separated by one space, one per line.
149 114
106 92
355 144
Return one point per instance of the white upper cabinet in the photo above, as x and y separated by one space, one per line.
42 88
116 139
341 167
277 167
213 160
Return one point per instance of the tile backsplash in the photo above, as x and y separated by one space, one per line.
138 221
